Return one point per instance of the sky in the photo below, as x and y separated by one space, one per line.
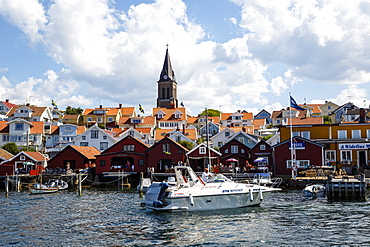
227 55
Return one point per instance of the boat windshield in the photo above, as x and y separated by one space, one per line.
218 178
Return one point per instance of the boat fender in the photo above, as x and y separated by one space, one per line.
162 192
261 195
191 199
250 195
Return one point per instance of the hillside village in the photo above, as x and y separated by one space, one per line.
121 138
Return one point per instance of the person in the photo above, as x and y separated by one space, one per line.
206 175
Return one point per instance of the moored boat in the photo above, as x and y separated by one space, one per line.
42 189
314 190
191 193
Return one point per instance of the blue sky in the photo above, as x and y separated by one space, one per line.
227 55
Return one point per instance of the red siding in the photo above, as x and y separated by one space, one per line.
77 160
284 154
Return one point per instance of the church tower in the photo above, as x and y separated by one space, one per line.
167 85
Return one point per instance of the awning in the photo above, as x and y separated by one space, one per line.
232 160
260 159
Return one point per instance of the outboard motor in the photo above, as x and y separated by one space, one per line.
155 194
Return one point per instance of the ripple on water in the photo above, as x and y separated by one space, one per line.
113 218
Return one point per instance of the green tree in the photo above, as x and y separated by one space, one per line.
327 120
187 144
11 147
73 111
211 113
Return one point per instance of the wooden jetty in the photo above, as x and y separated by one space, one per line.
346 189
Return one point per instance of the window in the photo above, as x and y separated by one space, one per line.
68 129
330 155
226 151
84 144
19 126
305 134
166 148
160 115
202 150
100 119
110 119
177 115
356 134
342 134
22 157
241 139
219 144
262 147
131 133
346 155
137 121
5 138
300 163
368 133
128 148
227 133
89 119
94 134
234 149
83 137
1 108
103 145
104 137
141 162
102 163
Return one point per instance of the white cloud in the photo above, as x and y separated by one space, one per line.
116 56
29 17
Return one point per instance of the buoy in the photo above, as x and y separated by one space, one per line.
261 195
191 199
250 195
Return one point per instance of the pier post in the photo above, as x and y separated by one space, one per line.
79 184
141 183
7 186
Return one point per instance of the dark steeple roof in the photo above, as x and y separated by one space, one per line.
167 73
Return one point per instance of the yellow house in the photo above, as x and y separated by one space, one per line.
346 145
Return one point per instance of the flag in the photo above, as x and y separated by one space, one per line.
294 104
141 108
53 104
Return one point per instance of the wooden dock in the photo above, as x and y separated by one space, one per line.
346 189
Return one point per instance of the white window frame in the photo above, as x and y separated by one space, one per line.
342 134
356 134
234 149
345 155
263 147
330 155
202 150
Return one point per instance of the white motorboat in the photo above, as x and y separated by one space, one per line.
190 193
42 189
314 190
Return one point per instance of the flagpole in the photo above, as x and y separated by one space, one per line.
291 139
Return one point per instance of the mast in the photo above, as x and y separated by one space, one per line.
207 136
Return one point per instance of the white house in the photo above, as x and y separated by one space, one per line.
22 132
222 137
96 137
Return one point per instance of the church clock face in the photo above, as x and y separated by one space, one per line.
165 77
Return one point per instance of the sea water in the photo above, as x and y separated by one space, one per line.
115 218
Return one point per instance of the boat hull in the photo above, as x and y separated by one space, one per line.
212 202
43 190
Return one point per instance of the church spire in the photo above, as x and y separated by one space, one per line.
167 73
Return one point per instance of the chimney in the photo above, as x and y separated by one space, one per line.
101 106
28 104
244 129
183 129
7 100
362 115
119 106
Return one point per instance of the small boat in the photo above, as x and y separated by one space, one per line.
145 185
262 178
314 190
42 189
191 193
61 184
